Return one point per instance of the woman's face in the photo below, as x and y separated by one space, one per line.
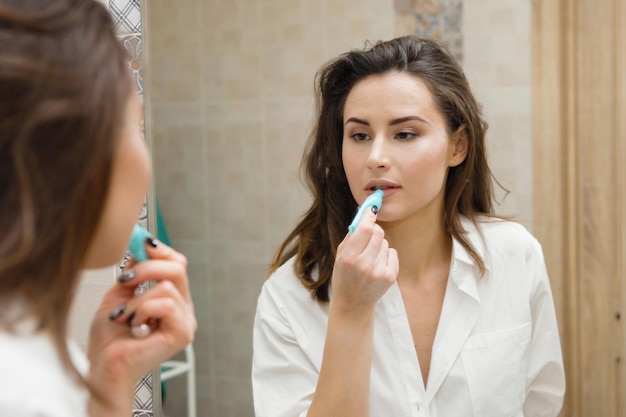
396 139
130 177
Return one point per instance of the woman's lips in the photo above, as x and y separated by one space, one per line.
387 190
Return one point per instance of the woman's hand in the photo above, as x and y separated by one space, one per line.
117 358
365 267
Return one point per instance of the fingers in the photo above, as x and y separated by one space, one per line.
168 314
381 260
154 309
167 269
362 235
164 263
159 250
159 270
365 266
365 240
161 303
393 264
367 245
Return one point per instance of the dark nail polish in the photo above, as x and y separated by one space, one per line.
151 242
374 209
126 276
117 312
130 318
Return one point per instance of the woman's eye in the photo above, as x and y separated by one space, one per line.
360 137
406 135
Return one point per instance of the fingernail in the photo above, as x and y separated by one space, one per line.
374 209
117 312
130 318
151 242
126 276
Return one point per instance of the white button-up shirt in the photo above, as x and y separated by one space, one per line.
496 352
34 381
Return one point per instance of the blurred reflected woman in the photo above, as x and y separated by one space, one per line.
433 306
74 171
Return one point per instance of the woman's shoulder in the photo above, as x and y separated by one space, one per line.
499 235
285 280
284 290
499 229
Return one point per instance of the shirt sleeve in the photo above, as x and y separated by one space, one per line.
283 377
545 376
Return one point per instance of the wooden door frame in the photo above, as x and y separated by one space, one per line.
586 281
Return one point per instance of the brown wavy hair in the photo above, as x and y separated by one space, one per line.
64 87
468 190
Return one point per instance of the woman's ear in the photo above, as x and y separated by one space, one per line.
458 147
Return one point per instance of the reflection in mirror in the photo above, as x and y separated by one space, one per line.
232 103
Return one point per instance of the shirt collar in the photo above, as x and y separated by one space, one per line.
464 271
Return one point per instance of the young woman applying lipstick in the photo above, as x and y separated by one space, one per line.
434 306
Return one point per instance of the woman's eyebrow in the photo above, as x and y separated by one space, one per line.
356 120
391 123
406 119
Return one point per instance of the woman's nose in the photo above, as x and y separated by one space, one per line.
378 154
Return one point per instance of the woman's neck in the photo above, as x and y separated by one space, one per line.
422 244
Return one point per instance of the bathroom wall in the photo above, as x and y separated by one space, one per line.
496 58
92 286
231 93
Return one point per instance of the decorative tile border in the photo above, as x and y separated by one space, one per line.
433 19
143 396
127 15
134 45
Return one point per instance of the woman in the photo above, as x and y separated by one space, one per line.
433 306
74 171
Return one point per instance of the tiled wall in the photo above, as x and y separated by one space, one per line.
232 101
496 58
92 286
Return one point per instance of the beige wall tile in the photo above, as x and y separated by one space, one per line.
405 25
498 68
504 59
175 45
91 288
228 398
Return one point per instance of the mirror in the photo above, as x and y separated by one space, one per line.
231 98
